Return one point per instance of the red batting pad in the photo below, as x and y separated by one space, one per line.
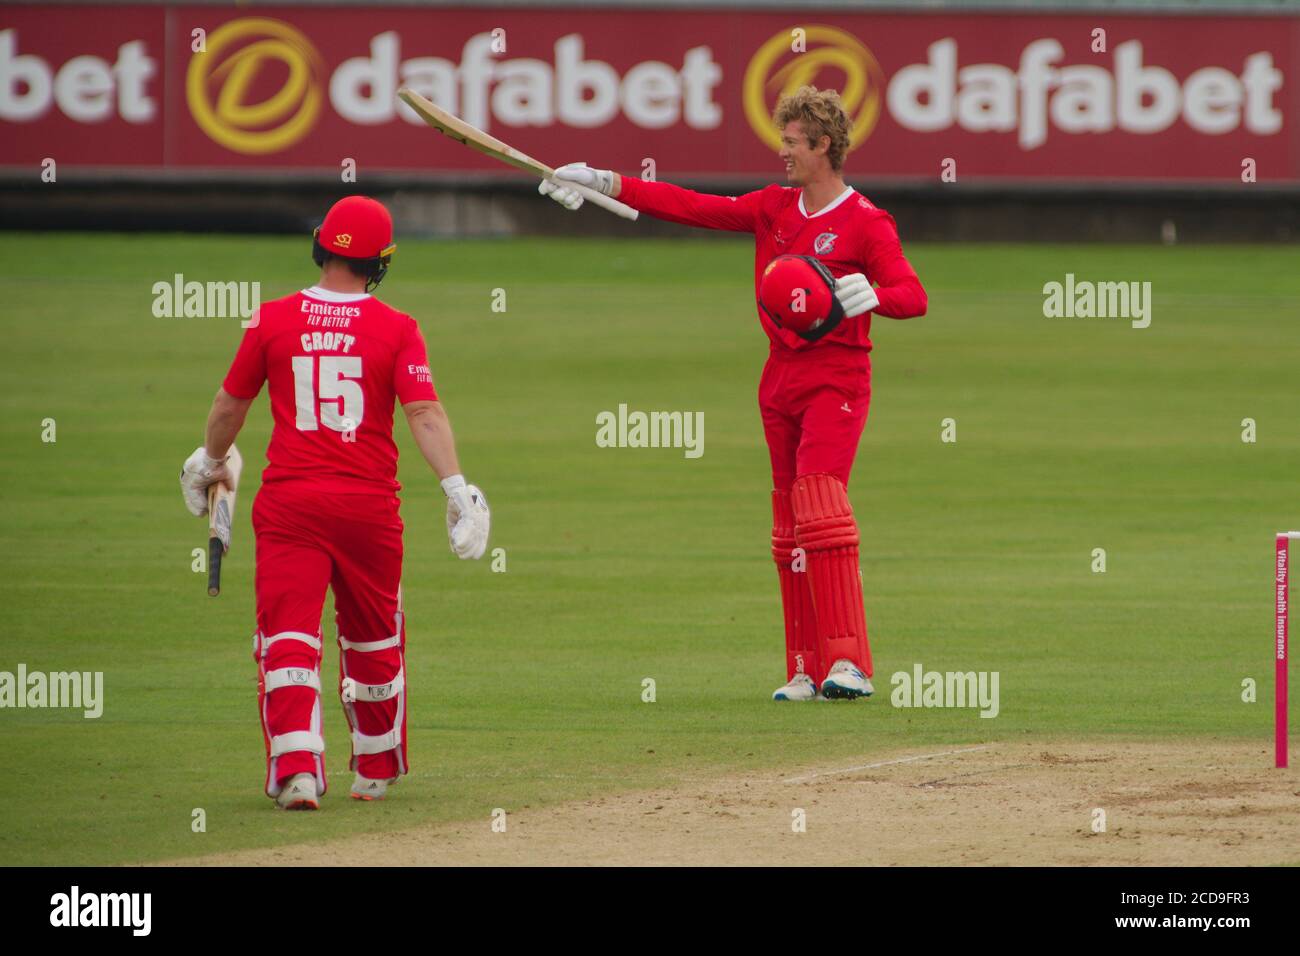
825 529
796 597
375 717
289 709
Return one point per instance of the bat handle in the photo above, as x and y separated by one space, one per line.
603 201
215 552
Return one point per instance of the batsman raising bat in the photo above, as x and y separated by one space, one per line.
334 359
819 247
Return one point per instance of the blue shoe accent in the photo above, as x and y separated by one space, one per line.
780 694
834 691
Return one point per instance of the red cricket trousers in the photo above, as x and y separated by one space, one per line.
814 405
310 539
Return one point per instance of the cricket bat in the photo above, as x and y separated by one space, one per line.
221 513
475 138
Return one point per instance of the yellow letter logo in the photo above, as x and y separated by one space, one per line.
775 70
246 54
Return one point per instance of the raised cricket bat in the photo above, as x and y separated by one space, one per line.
475 138
221 513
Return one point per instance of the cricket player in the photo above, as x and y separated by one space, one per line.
814 393
334 359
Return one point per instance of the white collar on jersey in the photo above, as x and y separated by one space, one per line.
325 295
848 191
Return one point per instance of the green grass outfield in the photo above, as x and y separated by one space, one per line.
623 564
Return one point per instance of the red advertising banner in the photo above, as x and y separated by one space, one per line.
1004 97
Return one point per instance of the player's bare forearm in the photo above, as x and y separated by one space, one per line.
431 430
224 422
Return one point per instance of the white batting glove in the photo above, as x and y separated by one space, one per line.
855 294
566 197
468 518
199 471
601 180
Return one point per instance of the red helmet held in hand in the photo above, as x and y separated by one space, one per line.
798 293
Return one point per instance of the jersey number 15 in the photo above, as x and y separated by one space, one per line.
335 393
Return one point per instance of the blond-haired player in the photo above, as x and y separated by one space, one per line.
814 394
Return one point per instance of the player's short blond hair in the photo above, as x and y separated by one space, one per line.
821 114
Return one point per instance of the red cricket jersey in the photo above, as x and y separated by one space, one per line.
849 235
333 363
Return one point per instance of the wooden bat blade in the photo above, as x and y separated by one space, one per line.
221 502
473 137
219 520
221 515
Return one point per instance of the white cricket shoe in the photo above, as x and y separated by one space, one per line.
846 682
366 788
299 793
801 687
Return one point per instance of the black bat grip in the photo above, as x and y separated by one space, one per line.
215 552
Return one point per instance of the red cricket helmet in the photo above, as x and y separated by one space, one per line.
798 293
357 227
